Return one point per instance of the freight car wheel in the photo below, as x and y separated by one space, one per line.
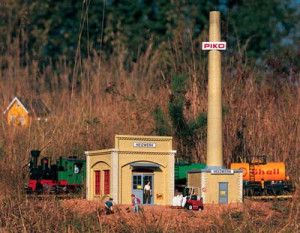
264 192
251 192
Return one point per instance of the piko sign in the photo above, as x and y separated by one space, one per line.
213 45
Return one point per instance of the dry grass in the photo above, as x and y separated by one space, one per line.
83 216
112 100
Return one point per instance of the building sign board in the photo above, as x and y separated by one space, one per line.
144 144
222 171
214 46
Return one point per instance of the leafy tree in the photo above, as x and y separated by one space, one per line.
48 29
162 127
264 25
186 132
55 28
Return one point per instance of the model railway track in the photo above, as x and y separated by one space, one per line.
269 198
52 196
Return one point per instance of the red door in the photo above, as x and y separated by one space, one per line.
97 182
106 181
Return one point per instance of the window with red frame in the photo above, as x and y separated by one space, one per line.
97 182
106 181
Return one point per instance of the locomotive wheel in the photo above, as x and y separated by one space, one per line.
39 188
190 207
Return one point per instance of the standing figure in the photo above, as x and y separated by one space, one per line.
147 193
135 203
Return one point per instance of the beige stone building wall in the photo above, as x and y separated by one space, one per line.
161 177
194 179
209 185
93 164
211 194
128 150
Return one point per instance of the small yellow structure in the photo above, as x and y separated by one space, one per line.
21 112
126 169
218 186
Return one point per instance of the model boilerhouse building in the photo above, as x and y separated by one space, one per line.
217 184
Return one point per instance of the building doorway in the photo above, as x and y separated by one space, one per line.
223 192
139 181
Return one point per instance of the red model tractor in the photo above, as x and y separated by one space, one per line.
193 199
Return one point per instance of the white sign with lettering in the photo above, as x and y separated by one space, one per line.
144 144
222 171
213 45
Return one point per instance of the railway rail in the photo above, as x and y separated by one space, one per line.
269 198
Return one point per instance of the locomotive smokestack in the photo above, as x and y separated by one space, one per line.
35 154
214 118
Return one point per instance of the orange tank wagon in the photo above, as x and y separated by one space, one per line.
269 171
261 178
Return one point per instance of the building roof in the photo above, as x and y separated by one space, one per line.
144 165
33 106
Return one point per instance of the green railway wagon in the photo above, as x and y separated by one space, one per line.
181 170
71 170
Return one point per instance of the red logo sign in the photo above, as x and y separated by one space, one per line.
262 172
213 45
244 171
